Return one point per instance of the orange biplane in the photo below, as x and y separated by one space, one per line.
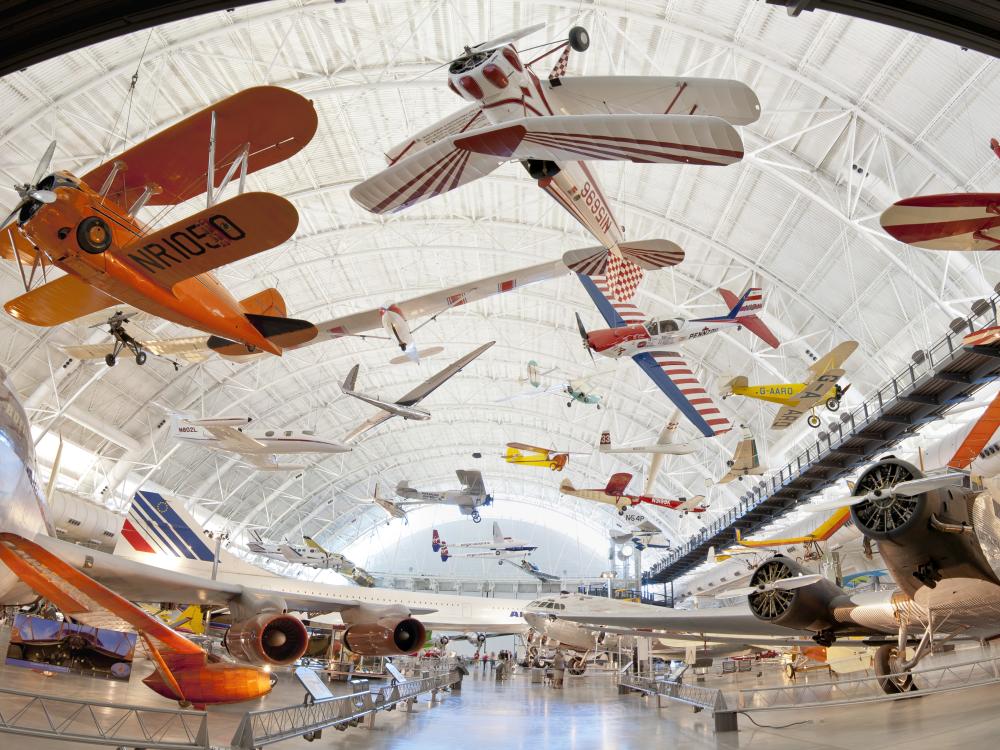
87 227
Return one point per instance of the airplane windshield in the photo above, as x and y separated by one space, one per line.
655 327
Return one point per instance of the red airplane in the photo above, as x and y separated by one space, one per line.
616 494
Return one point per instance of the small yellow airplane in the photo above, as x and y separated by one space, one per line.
532 455
798 398
810 541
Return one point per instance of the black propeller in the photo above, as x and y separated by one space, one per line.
583 335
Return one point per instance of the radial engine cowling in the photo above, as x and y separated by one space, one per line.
385 637
890 517
806 608
269 638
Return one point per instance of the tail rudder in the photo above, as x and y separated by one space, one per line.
444 553
154 526
744 310
435 541
497 534
739 536
351 380
566 486
740 381
268 302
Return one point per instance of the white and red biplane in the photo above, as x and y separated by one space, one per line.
553 127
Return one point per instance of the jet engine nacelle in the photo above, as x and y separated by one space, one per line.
269 638
387 636
806 608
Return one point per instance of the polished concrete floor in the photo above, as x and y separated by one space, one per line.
587 714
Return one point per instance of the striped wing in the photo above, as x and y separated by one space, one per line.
674 377
464 157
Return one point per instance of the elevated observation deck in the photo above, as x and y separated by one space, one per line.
938 378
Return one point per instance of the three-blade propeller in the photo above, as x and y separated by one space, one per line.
782 584
909 488
30 192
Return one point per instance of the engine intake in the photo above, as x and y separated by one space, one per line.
806 608
385 637
268 638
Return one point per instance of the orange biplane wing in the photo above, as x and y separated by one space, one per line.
60 301
229 231
618 484
272 122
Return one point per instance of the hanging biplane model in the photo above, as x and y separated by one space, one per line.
405 406
798 398
260 447
468 500
616 493
88 227
311 554
522 454
745 461
500 547
650 343
553 127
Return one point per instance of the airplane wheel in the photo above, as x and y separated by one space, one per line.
813 421
598 407
499 562
579 39
93 235
476 518
109 360
140 358
569 403
832 404
886 657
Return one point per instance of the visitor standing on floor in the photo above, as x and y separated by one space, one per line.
558 670
493 659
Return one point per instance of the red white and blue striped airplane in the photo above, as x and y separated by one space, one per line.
650 343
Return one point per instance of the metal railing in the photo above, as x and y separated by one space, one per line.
934 679
271 725
850 422
101 723
698 696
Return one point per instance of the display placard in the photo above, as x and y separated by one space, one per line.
313 683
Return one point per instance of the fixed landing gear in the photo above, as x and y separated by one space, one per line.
577 665
123 341
833 404
476 518
892 678
813 421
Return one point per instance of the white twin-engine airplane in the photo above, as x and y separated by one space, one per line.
406 406
500 547
553 127
260 447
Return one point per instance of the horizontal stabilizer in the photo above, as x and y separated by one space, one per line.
650 255
750 321
285 332
267 302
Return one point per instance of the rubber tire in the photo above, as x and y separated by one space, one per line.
140 358
884 656
109 360
579 39
813 421
84 240
833 404
476 518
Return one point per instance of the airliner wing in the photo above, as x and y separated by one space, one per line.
701 622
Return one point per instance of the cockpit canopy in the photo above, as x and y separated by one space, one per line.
667 325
